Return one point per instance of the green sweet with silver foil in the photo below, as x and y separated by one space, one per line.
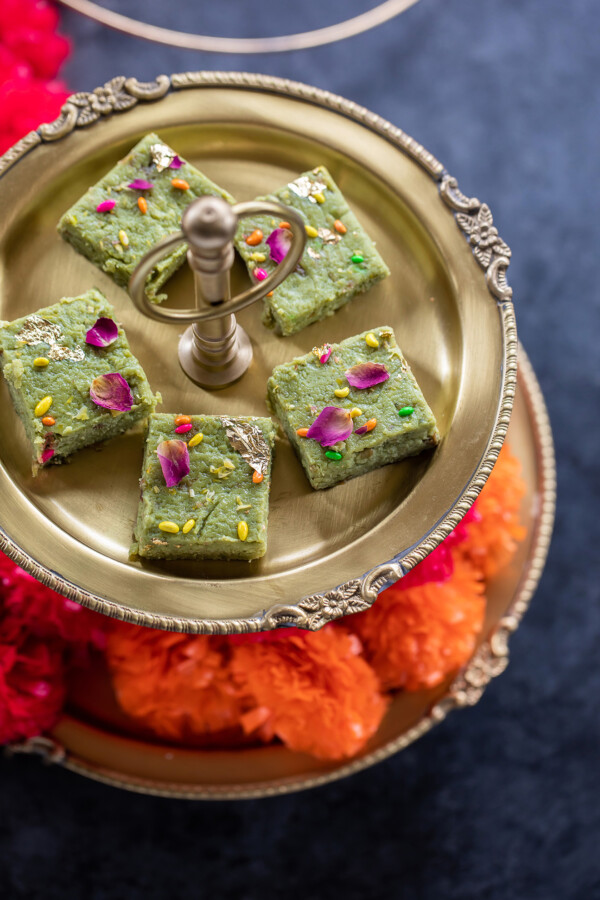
336 264
298 392
55 336
116 240
216 495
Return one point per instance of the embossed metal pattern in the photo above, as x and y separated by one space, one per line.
122 94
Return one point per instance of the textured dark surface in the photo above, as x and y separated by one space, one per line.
501 801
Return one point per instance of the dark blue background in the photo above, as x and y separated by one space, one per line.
501 801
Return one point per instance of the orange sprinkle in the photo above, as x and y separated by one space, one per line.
143 205
257 477
301 432
270 294
183 420
48 420
284 225
255 238
340 227
180 184
370 425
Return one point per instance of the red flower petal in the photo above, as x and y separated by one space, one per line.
106 206
111 392
279 242
366 375
174 461
140 185
176 163
331 425
103 332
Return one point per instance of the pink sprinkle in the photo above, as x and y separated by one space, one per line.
106 206
140 185
181 429
176 163
260 274
328 351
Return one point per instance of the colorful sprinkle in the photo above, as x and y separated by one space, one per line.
188 526
183 420
140 185
301 432
406 411
333 454
43 406
310 231
180 184
371 340
183 429
123 238
342 392
260 274
357 258
242 530
48 420
40 362
255 238
197 439
111 391
174 461
257 477
340 227
103 332
284 225
258 257
319 197
142 205
270 294
369 426
106 206
355 412
171 527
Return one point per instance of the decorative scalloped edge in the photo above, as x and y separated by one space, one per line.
475 220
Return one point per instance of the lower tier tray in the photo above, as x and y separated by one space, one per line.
95 739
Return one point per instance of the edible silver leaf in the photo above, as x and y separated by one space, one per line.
162 156
305 188
38 331
249 441
57 352
313 253
328 236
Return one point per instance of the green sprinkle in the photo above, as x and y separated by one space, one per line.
357 258
406 411
333 454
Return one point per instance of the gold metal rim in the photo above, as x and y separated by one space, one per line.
491 253
210 44
490 660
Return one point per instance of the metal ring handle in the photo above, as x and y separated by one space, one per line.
137 282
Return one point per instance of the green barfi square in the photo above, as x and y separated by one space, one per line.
220 509
392 418
116 240
339 260
49 369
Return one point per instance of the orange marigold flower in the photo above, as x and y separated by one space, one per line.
178 685
323 697
414 637
495 531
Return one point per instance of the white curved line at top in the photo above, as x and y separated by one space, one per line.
350 27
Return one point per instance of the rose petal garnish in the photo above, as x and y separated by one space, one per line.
366 375
279 242
46 455
331 425
106 206
103 332
174 461
362 429
176 163
111 392
328 350
140 185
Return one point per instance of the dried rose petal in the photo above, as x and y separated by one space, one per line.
279 242
111 392
362 429
174 461
327 351
103 332
140 185
331 425
46 455
176 163
106 206
366 375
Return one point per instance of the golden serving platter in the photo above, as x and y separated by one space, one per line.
330 552
95 739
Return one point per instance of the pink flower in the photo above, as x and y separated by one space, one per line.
331 426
